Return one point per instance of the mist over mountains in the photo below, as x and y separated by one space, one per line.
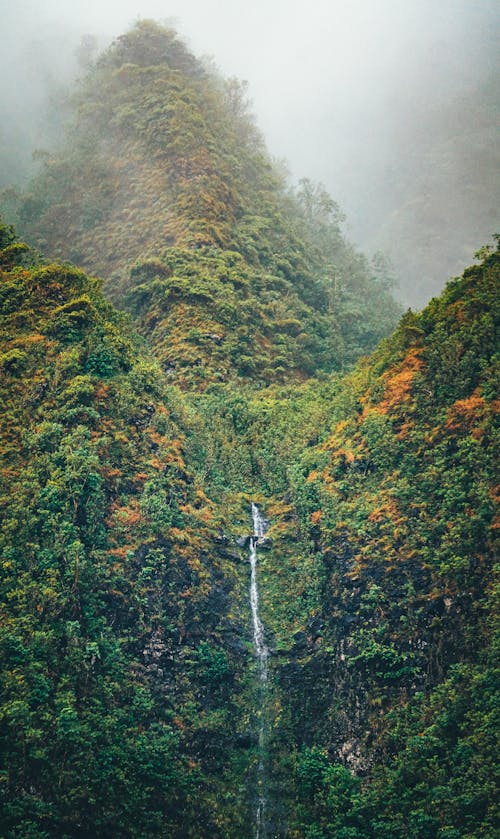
393 108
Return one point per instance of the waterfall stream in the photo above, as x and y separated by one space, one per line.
262 653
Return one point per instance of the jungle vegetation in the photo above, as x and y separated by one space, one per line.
237 349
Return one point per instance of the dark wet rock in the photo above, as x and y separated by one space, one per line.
299 640
229 553
245 741
347 620
237 646
315 626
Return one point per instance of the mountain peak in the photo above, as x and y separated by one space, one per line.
164 166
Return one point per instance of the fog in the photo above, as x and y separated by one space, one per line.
375 99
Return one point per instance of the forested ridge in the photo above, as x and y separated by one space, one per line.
231 367
164 187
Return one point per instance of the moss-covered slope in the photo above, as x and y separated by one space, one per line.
391 673
378 585
163 172
123 640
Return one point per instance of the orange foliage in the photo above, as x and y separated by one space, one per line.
465 413
169 451
126 516
155 437
495 496
133 517
36 338
398 382
386 509
195 564
403 431
101 392
457 310
120 552
141 476
328 480
341 426
110 473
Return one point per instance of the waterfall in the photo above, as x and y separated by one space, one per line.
262 653
259 529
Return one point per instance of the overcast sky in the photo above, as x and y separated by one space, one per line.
331 82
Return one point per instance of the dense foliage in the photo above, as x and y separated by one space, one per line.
118 712
129 704
398 506
164 186
379 588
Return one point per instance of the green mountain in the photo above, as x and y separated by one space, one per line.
123 645
138 698
163 187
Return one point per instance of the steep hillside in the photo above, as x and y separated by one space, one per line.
122 635
129 702
378 586
392 669
164 188
136 568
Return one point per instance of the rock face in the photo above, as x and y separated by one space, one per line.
264 542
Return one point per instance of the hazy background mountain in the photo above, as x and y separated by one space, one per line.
392 106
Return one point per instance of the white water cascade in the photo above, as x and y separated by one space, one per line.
262 653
